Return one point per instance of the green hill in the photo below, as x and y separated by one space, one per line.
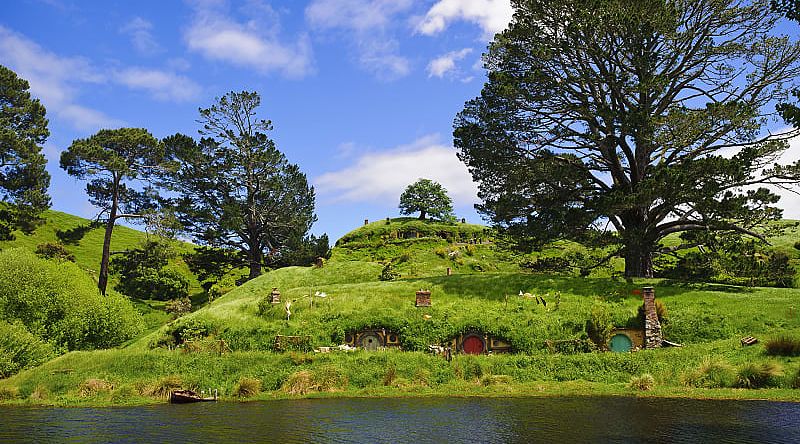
232 340
85 242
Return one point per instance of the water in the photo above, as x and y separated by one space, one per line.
441 420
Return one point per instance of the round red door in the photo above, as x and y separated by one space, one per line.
472 345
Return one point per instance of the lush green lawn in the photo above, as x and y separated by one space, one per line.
707 319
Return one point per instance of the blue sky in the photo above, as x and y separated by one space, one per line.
362 93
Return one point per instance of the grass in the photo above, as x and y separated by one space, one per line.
708 319
87 249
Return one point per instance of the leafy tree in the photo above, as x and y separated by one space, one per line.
631 120
236 190
429 198
112 161
23 178
143 273
791 9
302 251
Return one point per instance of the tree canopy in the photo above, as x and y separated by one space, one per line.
623 122
235 189
112 161
789 111
427 197
23 178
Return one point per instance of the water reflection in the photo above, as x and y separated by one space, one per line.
416 421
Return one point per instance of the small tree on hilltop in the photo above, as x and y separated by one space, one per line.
429 198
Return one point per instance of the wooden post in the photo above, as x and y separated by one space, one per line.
449 271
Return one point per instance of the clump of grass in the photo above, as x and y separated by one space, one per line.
92 386
642 382
468 368
162 387
326 379
712 373
754 376
300 383
783 345
297 358
796 380
40 393
8 393
247 387
390 375
490 380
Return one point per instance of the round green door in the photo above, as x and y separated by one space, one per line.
621 343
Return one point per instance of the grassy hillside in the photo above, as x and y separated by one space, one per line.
85 242
233 337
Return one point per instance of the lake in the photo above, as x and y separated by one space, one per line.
415 420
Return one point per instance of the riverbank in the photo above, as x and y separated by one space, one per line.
131 377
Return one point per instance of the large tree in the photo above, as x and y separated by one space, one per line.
23 178
427 197
790 111
114 162
236 190
638 119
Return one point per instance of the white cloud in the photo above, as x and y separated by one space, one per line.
161 84
446 63
253 44
382 176
357 15
54 80
369 25
492 16
139 31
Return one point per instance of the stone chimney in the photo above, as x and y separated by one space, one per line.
652 327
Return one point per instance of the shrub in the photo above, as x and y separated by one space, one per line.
754 376
783 346
247 387
92 387
179 307
8 393
144 274
59 303
796 380
599 325
642 382
19 349
54 250
712 373
388 273
162 387
490 380
190 330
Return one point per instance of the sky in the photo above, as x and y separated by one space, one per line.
362 93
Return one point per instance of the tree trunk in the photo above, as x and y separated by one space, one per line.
638 262
255 259
102 279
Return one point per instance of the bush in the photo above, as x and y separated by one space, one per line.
247 387
599 325
54 250
93 386
162 387
179 307
796 380
642 382
190 330
783 346
754 376
8 393
60 304
388 273
712 373
19 349
144 274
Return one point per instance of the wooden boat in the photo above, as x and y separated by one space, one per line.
187 396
